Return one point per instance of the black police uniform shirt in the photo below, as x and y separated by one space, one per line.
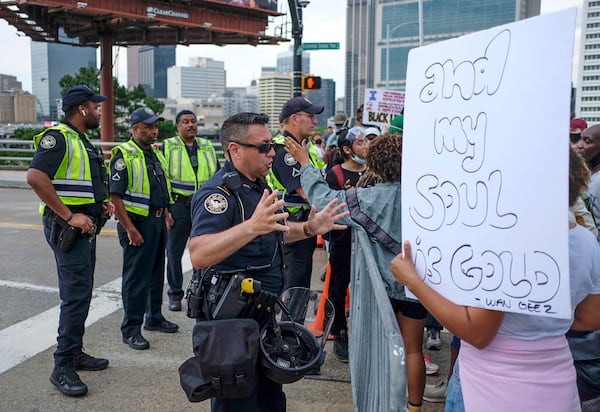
287 170
215 210
50 154
119 180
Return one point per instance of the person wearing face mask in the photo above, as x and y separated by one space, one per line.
344 175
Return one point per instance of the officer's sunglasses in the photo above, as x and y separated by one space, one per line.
262 148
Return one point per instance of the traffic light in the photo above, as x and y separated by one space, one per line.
311 82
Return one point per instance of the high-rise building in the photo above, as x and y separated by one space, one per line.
133 66
237 99
325 96
16 106
285 61
153 63
587 101
202 79
9 83
50 62
273 91
368 23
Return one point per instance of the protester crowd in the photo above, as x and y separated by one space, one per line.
262 210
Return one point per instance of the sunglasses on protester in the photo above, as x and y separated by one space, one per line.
262 148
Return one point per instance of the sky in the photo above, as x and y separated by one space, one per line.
324 21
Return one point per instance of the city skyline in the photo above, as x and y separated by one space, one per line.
322 23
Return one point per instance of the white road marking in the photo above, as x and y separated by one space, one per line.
27 286
31 336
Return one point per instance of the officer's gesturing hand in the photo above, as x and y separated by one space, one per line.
324 221
317 223
268 215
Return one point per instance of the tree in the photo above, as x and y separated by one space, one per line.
126 101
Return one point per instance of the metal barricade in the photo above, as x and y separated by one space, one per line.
377 357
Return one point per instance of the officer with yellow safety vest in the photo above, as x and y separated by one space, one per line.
298 120
68 174
191 161
140 190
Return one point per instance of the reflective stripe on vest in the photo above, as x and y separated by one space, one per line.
73 179
181 172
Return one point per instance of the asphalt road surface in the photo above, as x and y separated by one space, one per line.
135 380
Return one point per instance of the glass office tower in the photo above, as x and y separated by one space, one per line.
50 62
370 21
153 63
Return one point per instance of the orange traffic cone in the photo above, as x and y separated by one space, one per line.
348 300
320 241
318 325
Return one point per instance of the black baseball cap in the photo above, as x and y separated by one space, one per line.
298 104
144 115
79 94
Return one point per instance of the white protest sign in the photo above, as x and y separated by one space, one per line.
381 106
485 165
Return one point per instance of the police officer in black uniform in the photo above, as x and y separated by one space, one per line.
140 191
68 174
237 223
298 118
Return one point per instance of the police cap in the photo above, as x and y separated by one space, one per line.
79 94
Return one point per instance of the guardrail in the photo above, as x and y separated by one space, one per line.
377 357
17 154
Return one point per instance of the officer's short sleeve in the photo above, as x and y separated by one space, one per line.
50 153
287 170
213 211
118 174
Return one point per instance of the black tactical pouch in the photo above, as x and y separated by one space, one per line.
62 234
224 365
195 296
66 238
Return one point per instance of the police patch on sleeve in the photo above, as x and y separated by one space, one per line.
289 160
48 142
120 164
216 204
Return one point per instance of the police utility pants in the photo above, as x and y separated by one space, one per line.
75 270
177 239
143 274
297 262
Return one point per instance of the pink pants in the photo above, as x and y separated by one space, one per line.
518 375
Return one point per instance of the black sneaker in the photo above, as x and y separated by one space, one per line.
340 346
67 381
85 362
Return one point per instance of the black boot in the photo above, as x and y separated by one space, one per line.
340 346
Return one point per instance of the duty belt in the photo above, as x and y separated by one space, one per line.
186 200
153 213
